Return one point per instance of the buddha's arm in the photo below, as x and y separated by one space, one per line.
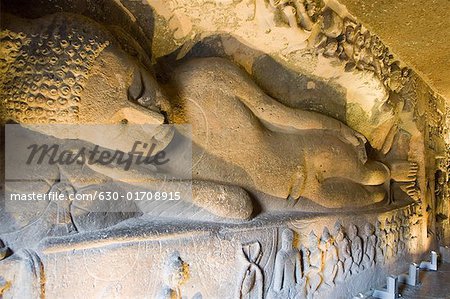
280 118
205 194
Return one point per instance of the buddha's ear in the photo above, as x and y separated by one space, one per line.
137 87
143 88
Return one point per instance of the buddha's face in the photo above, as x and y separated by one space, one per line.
123 94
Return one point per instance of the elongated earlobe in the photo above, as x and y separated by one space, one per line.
137 87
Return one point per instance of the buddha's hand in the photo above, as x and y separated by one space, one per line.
356 139
352 137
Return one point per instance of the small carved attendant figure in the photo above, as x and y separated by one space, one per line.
349 35
402 241
287 10
357 248
404 234
330 258
175 275
288 281
313 265
370 241
395 234
389 252
344 254
294 12
381 243
407 230
253 280
304 15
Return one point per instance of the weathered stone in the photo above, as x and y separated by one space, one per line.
297 119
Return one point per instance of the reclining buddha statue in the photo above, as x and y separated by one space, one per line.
66 68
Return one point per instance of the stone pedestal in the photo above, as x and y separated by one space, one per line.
144 258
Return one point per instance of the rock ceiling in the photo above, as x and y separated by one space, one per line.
416 30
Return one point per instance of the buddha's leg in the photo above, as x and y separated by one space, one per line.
372 173
340 160
336 193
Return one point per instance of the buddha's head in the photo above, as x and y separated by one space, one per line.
68 69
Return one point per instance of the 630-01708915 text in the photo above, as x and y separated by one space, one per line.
97 195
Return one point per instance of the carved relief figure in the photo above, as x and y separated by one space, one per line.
313 265
389 253
288 281
252 284
402 241
294 13
395 234
381 243
370 241
406 228
288 11
176 272
344 254
334 33
357 248
365 51
440 191
330 258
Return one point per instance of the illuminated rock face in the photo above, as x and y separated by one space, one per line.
313 151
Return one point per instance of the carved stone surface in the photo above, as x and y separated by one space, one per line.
288 279
229 261
313 166
22 275
319 164
176 272
252 285
345 254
